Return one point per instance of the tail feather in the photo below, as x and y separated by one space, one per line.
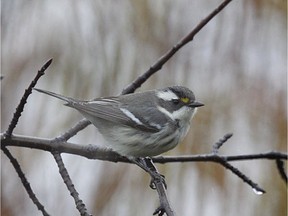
61 97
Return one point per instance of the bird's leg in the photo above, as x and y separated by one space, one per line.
147 165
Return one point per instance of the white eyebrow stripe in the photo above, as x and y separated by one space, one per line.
167 95
131 116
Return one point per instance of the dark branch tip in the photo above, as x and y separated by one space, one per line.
228 135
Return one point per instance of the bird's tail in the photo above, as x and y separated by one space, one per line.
61 97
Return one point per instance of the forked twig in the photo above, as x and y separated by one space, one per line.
233 169
237 172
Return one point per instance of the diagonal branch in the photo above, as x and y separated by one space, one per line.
70 186
237 172
217 145
73 130
162 60
24 180
281 169
224 162
9 132
23 100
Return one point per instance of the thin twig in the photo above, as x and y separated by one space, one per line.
224 162
24 181
241 175
281 169
9 132
23 100
62 169
218 144
68 182
162 60
73 130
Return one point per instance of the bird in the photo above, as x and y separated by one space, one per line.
141 124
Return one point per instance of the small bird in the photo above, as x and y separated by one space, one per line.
139 124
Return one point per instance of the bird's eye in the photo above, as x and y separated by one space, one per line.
185 100
175 101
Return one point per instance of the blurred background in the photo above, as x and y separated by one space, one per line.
237 66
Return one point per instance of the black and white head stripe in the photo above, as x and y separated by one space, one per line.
175 92
175 102
167 95
182 92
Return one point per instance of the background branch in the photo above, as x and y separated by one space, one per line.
23 100
24 180
62 170
161 61
70 186
281 169
9 131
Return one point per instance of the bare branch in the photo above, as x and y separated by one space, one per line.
224 162
9 132
281 169
62 170
218 144
272 155
237 172
73 131
24 181
162 60
94 152
23 100
70 186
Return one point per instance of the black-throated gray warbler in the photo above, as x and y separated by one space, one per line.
140 124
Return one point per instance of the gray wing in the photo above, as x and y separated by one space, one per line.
110 109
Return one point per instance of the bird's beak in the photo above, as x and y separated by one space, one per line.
196 104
